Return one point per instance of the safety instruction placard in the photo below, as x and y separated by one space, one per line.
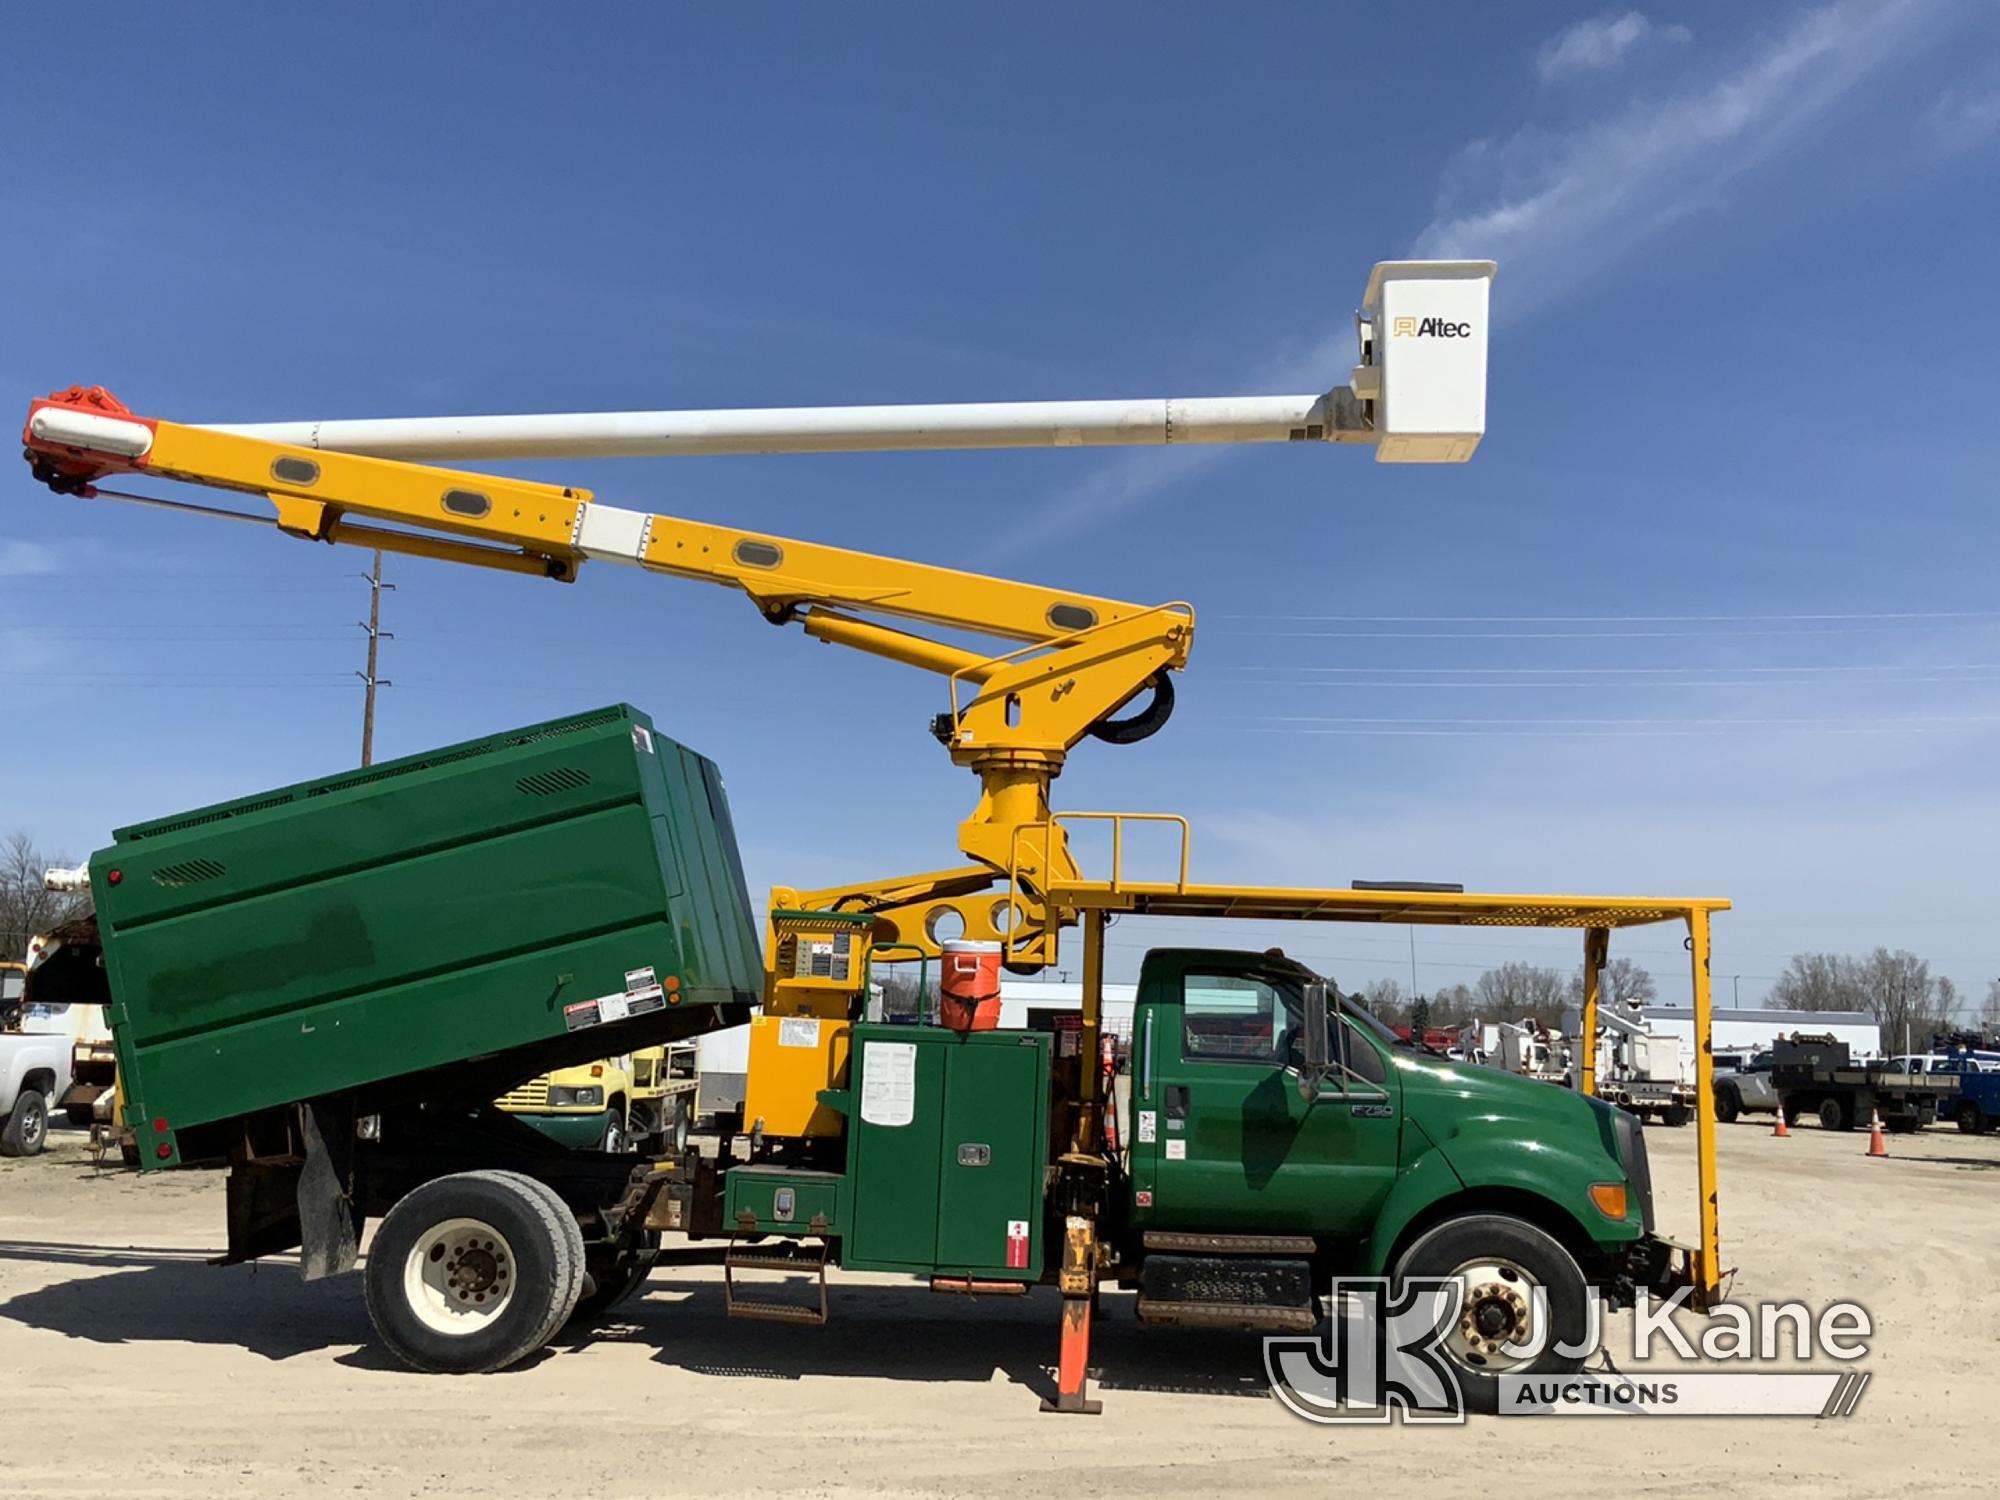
888 1083
1149 1125
798 1031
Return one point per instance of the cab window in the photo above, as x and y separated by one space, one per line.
1231 1018
1359 1057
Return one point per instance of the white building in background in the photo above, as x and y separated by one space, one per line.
1733 1030
1021 998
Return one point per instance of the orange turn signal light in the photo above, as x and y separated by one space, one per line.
1609 1198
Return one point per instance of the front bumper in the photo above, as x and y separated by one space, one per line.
581 1131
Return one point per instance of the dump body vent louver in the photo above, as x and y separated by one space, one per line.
189 872
548 783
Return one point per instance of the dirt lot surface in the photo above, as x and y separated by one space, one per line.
134 1369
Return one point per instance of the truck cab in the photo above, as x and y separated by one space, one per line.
1381 1158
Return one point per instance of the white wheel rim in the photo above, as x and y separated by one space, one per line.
1499 1311
459 1276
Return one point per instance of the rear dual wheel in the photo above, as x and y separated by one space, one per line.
474 1272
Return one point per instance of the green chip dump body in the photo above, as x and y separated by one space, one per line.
434 928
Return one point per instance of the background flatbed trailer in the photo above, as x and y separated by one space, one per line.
1816 1076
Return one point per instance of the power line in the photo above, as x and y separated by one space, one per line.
1822 668
1929 614
1641 723
1588 635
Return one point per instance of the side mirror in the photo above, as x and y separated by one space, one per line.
1313 1039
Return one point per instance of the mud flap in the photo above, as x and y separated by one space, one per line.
329 1214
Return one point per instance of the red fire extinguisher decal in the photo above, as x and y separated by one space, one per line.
1017 1244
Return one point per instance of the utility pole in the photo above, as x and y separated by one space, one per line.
376 635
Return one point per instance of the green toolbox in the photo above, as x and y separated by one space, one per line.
546 896
947 1151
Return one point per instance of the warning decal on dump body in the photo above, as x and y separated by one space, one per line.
1017 1244
582 1014
798 1031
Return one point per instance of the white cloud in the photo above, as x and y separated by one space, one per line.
26 559
1551 205
1963 118
1601 44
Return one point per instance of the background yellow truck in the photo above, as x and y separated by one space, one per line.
638 1101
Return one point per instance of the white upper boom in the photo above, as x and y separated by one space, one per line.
1418 394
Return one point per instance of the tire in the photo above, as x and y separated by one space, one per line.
1834 1113
620 1281
1728 1105
1971 1119
1674 1116
1516 1250
572 1233
82 1116
455 1242
680 1121
1791 1112
615 1140
1904 1124
26 1130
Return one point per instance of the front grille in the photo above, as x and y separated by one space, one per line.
1641 1173
529 1096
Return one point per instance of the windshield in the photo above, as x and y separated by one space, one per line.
1372 1023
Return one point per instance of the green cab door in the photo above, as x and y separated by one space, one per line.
1222 1139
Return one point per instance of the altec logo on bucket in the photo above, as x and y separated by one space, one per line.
1429 328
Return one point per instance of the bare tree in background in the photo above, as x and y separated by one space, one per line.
1989 1013
1454 1006
1903 997
26 905
1384 999
1514 990
1624 982
1820 981
1896 988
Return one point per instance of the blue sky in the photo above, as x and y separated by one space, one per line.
1711 612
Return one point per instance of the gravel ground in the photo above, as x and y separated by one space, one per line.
135 1369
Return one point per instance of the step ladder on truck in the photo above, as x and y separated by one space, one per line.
1004 1134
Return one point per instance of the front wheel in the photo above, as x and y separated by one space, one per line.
1971 1119
1502 1263
473 1272
1728 1105
614 1138
26 1130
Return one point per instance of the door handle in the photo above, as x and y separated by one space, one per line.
1177 1101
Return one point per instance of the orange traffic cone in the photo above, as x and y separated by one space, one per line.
1877 1145
1781 1130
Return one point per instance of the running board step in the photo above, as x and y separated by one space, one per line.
1229 1244
778 1312
1228 1315
800 1260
